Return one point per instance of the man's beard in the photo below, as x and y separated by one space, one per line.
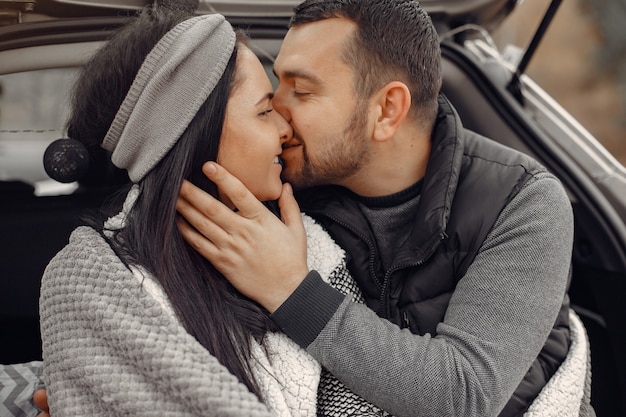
343 158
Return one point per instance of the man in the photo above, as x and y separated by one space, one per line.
460 246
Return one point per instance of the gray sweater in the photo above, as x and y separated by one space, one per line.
496 323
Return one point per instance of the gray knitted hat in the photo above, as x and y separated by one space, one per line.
175 79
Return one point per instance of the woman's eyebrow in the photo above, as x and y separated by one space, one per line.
266 97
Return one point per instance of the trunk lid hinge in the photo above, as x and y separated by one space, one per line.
515 85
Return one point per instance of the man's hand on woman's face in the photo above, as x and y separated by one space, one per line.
262 256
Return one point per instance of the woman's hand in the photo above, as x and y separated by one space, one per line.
262 256
40 397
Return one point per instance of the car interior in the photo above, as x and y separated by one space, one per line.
35 225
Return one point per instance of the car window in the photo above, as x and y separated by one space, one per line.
33 112
34 107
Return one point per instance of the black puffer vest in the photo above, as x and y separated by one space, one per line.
468 181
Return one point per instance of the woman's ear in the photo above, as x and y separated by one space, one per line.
392 103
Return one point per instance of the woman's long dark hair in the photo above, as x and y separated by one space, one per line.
210 309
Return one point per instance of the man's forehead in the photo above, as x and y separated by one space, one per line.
309 44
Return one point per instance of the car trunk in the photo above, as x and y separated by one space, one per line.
476 80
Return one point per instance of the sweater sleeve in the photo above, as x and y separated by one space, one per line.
111 349
497 321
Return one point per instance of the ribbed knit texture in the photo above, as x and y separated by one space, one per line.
391 219
311 290
175 79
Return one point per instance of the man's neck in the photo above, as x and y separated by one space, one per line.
393 168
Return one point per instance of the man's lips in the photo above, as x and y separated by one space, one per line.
286 149
288 145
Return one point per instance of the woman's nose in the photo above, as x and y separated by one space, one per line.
284 128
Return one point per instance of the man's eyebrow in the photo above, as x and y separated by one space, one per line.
305 75
266 97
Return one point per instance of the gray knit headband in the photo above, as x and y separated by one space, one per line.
175 79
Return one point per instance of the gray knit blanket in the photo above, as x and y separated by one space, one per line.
113 346
110 349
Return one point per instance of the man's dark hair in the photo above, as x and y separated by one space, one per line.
395 40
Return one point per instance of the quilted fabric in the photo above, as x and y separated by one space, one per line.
568 392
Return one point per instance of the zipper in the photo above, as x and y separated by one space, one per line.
405 320
384 285
364 238
384 300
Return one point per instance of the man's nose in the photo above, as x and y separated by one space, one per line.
280 104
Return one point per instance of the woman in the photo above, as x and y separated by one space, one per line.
133 320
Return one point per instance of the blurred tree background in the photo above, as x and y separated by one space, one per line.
581 61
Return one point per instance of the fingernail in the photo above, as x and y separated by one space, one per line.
210 168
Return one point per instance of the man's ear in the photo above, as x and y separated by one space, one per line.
392 103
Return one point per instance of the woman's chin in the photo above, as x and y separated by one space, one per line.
270 194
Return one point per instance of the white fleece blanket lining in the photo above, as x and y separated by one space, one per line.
287 375
565 386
